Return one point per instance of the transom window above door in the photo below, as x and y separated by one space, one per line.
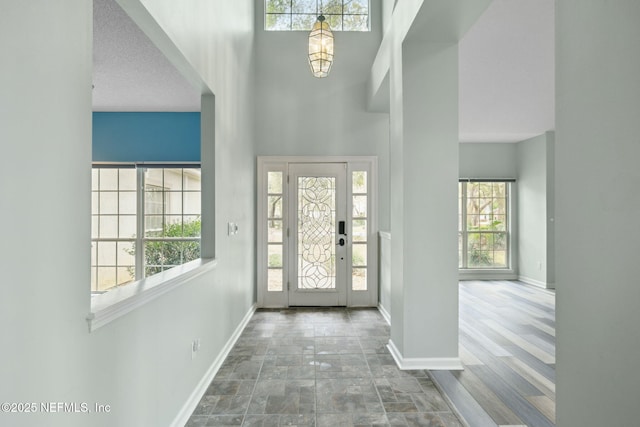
300 15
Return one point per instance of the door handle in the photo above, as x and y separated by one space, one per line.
342 232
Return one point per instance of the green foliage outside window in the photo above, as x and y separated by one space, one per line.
484 225
161 255
300 15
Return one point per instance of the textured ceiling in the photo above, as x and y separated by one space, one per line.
506 71
129 72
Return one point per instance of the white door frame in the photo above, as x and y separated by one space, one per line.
337 295
279 297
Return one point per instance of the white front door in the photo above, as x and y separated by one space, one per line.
317 275
317 231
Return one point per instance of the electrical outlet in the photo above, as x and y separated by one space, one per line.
232 228
539 265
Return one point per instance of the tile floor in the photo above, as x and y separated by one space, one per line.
319 367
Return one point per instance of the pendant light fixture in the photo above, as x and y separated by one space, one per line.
320 48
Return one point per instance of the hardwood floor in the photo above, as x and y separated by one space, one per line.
507 344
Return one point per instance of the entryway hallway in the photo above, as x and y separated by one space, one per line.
331 367
319 367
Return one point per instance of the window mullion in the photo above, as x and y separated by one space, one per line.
507 228
283 16
182 200
463 221
140 224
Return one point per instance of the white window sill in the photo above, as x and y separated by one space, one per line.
111 305
487 274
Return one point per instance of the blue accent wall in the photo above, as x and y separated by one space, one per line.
146 137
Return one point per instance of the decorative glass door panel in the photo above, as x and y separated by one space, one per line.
317 242
316 237
319 237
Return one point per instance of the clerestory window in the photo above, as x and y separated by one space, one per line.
300 15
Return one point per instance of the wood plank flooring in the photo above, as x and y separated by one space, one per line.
507 344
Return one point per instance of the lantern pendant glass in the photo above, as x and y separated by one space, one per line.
320 48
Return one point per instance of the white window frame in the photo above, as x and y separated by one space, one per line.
265 164
116 302
142 239
316 13
497 273
141 189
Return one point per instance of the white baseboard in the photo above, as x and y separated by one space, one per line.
465 274
384 313
534 282
193 400
429 363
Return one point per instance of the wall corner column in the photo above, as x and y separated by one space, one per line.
424 174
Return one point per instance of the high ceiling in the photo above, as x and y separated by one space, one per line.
507 66
129 71
506 71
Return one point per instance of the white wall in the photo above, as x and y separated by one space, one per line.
298 114
597 212
488 160
45 114
385 274
387 12
428 169
418 58
492 160
532 210
141 363
551 209
530 162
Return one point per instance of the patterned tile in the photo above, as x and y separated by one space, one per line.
318 367
231 405
283 397
225 420
197 421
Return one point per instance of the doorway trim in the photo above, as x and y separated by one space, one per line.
278 296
